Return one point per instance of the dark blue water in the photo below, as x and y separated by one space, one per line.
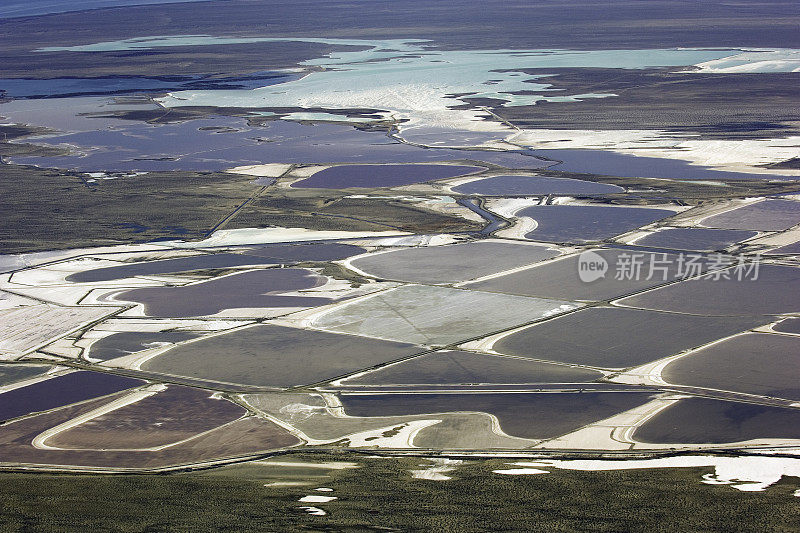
67 87
60 391
30 8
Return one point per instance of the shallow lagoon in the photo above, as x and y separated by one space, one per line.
69 87
614 164
125 146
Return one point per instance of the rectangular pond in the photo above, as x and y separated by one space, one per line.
586 223
169 416
526 415
699 239
436 315
766 215
275 356
776 290
614 164
706 421
612 337
61 391
560 278
458 367
755 363
452 263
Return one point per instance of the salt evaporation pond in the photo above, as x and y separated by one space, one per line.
583 223
248 290
60 391
11 373
344 176
526 415
790 325
128 342
700 239
533 185
261 255
766 215
707 421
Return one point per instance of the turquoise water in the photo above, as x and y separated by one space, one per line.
398 75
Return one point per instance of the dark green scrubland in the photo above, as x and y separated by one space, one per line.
381 496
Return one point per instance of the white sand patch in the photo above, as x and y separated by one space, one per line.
23 329
316 511
236 237
747 473
287 484
317 498
519 228
323 489
520 471
305 172
732 155
397 436
10 301
437 470
612 433
269 170
330 465
751 61
508 207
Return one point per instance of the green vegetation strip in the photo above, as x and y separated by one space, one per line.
381 496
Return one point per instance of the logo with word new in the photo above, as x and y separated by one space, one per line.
591 266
